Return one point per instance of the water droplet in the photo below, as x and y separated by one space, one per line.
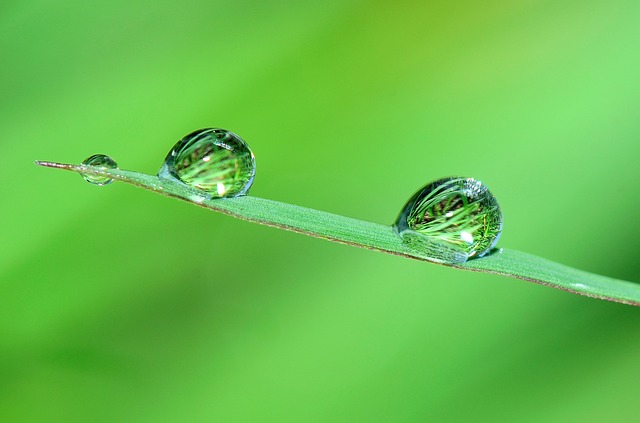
100 161
213 160
451 220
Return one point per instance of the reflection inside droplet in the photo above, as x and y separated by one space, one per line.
100 161
212 160
451 220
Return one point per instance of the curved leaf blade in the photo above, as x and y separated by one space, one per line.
375 236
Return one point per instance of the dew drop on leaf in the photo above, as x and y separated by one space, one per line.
212 160
100 161
451 220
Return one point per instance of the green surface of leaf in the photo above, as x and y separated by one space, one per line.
375 236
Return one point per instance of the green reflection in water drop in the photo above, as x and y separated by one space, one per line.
100 161
451 220
212 160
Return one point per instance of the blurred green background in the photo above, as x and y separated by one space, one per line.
117 305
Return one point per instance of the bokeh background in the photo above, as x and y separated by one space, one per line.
118 305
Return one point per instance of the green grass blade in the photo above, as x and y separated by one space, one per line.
375 236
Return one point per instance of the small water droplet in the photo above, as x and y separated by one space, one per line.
213 160
451 220
100 161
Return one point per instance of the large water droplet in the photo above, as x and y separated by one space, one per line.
213 160
451 220
100 161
